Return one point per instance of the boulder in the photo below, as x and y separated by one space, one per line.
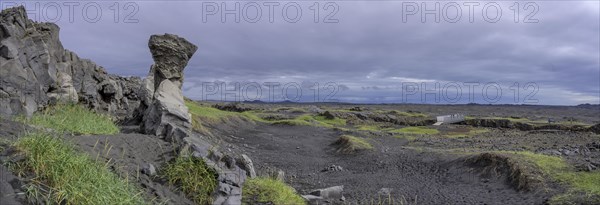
331 195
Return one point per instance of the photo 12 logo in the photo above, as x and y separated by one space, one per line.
269 11
73 11
458 92
470 11
269 91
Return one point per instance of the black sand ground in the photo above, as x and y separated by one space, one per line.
128 154
10 185
413 176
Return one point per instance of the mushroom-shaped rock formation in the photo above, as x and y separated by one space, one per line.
166 115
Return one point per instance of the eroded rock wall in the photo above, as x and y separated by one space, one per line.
36 71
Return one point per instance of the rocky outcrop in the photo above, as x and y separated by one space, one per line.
523 126
233 107
167 115
36 71
355 117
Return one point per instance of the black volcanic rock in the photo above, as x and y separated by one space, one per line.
233 107
37 71
595 128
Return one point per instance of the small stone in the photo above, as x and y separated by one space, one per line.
149 169
280 175
332 168
384 192
248 165
314 109
326 195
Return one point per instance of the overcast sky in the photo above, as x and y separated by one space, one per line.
369 50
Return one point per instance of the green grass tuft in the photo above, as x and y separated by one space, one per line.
563 172
521 120
269 191
350 144
470 133
204 113
330 122
193 176
74 119
416 130
69 177
377 127
214 115
291 110
409 137
409 114
208 112
559 170
368 128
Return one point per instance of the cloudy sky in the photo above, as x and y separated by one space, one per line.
544 52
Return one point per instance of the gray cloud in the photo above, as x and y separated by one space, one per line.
370 47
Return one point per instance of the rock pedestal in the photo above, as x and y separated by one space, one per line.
167 115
